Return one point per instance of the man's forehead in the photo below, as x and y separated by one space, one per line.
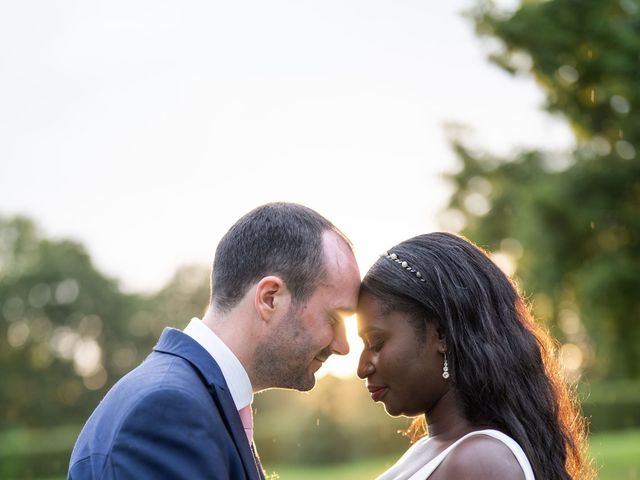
336 299
338 254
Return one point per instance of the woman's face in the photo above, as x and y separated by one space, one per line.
403 368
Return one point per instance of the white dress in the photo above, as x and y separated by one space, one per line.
411 465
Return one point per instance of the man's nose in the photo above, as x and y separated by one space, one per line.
340 345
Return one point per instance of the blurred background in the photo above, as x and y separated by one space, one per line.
133 134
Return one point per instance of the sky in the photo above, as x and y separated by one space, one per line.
144 129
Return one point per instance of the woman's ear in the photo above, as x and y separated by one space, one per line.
271 297
442 342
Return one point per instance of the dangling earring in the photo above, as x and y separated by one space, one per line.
445 368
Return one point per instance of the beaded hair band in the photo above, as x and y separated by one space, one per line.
394 258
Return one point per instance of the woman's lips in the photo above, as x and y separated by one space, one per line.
377 391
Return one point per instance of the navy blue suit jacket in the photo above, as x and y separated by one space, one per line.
172 417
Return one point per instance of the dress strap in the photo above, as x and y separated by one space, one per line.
517 451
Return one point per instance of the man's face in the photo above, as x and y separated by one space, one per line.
310 332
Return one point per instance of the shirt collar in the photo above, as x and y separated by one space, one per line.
234 373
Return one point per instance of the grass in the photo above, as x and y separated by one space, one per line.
21 441
360 469
617 454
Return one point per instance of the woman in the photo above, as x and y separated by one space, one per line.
447 335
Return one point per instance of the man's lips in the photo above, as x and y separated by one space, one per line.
320 362
377 391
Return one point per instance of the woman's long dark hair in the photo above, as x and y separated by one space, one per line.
503 365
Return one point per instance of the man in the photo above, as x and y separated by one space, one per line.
283 279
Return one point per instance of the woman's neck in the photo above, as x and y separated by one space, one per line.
446 421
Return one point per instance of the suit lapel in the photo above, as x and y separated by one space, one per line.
237 432
177 343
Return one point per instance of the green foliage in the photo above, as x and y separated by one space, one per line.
611 405
186 295
58 316
584 54
67 332
570 220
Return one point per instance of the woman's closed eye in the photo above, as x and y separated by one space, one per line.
374 344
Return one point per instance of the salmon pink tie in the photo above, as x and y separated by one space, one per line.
246 415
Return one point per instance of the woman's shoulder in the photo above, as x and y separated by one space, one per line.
480 456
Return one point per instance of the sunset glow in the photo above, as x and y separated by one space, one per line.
345 366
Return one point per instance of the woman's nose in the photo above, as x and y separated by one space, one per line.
365 367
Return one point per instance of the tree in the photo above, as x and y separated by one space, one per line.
185 296
570 221
64 329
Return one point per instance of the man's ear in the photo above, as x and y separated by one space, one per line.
271 297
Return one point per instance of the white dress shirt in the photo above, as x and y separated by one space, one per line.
234 373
